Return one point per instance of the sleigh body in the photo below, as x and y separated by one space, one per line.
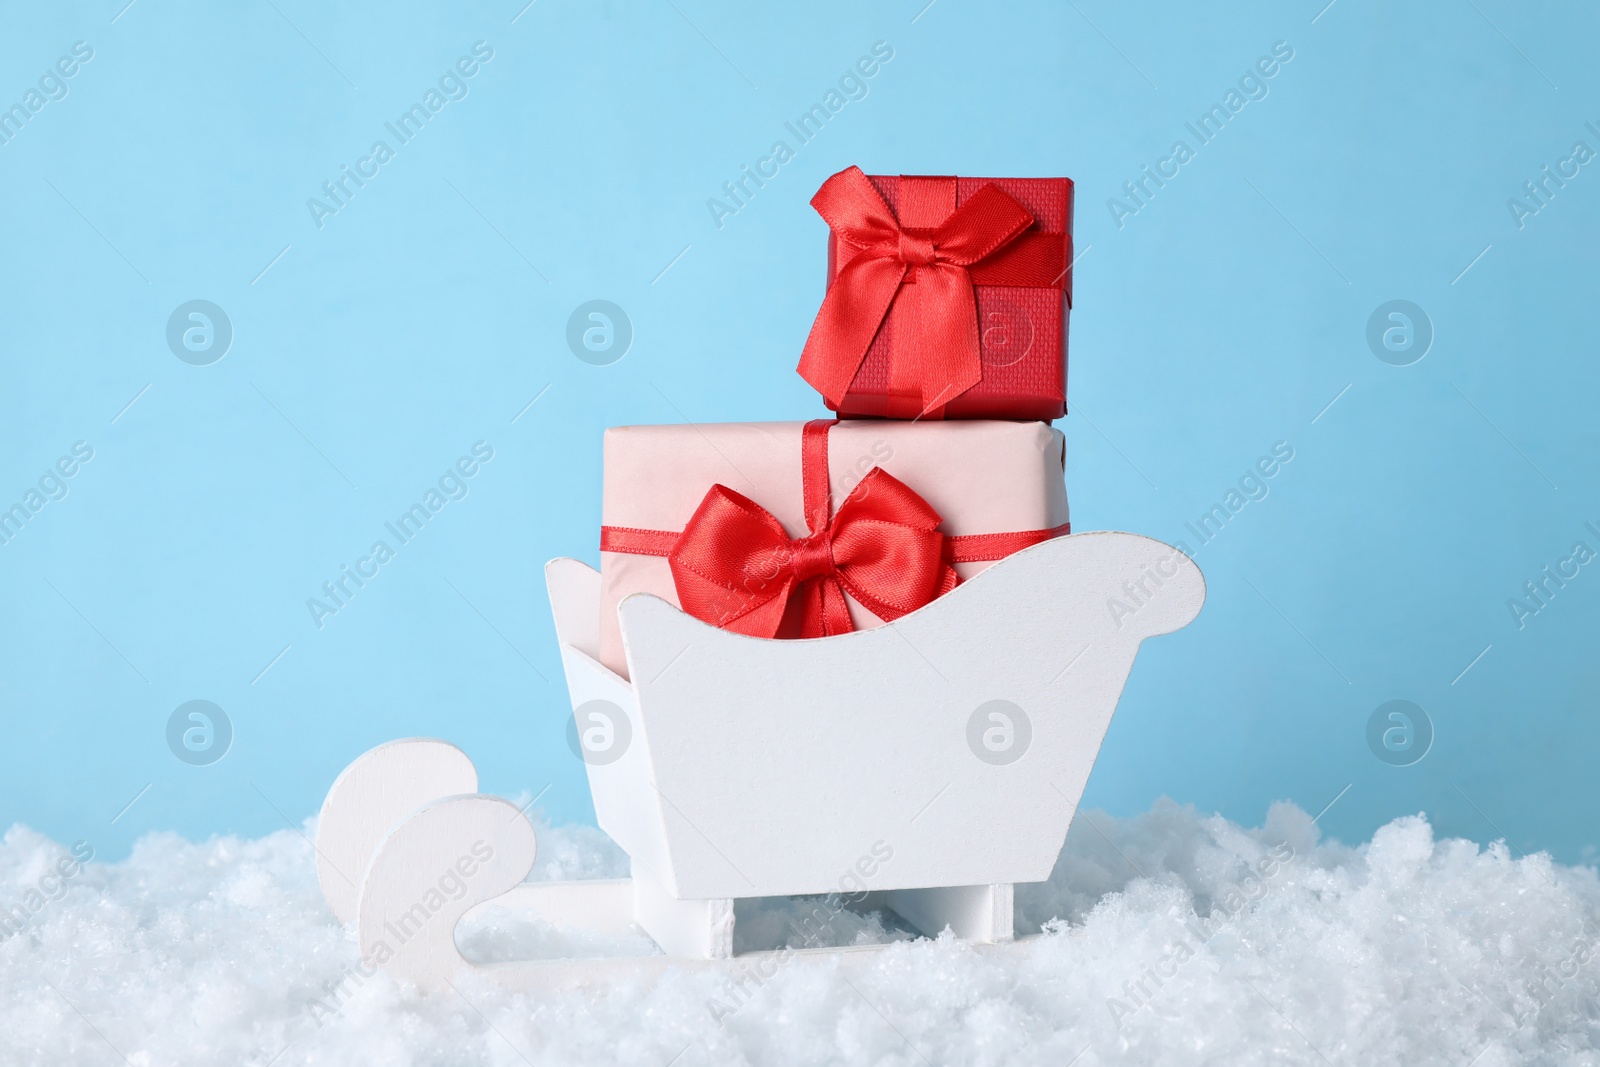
933 762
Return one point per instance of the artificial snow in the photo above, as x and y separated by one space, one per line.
1171 938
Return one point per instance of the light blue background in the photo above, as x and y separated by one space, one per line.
1223 317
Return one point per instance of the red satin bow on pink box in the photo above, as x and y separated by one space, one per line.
925 275
735 566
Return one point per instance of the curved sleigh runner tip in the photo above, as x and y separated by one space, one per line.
378 790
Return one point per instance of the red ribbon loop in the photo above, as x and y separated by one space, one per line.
735 567
884 257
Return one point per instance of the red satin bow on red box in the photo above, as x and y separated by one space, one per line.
926 274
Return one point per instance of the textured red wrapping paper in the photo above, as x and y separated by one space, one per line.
1023 331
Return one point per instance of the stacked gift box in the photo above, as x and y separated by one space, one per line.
941 346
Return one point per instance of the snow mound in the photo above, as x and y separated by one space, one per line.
1171 938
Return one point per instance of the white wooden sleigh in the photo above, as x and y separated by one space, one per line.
932 764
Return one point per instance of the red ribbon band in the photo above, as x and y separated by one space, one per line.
736 567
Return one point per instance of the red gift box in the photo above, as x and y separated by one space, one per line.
947 297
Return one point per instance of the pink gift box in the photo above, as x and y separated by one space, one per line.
982 477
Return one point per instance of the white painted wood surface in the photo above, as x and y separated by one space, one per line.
450 856
972 912
694 929
621 789
382 787
776 768
771 768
